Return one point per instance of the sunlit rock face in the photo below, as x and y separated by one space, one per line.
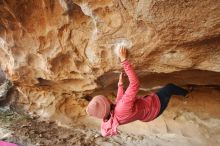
58 51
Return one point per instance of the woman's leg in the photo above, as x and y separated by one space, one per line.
166 92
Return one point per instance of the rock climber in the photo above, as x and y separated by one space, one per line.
129 107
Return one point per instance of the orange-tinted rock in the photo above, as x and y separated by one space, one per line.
56 52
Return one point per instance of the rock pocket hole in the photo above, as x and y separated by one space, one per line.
44 82
172 52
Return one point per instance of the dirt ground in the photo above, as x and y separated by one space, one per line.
189 122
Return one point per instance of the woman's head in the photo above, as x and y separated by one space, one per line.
98 107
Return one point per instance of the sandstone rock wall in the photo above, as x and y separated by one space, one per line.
56 51
2 76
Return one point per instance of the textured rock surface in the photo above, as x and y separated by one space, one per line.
4 88
2 76
57 51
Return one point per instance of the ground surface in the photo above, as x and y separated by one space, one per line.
187 122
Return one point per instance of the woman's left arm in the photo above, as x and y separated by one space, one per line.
120 92
133 88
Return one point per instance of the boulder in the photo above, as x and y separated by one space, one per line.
57 52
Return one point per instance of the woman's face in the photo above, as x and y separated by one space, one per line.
110 102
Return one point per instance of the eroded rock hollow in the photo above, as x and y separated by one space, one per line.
57 52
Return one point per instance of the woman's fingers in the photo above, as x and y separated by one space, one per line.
120 75
120 79
122 53
121 50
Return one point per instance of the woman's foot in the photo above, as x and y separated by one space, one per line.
190 89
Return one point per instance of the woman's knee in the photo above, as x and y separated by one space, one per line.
170 85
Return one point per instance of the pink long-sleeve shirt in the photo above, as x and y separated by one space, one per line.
129 107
